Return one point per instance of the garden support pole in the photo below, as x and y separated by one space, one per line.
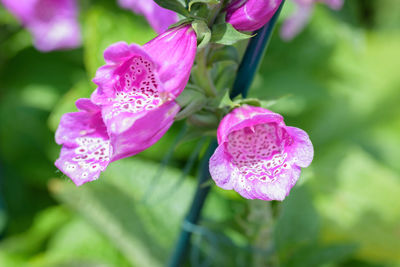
244 77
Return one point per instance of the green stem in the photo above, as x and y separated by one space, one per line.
202 75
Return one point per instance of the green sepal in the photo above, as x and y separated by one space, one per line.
190 100
248 101
204 120
192 2
203 33
224 53
178 6
181 22
225 34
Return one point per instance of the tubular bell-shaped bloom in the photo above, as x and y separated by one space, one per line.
133 106
138 85
53 23
296 22
258 155
251 15
159 18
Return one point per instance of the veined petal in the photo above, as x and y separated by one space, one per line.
130 71
302 148
86 147
251 15
174 51
246 116
220 168
258 155
132 132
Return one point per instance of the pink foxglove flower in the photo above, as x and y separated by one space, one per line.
53 23
258 155
296 23
132 107
88 148
138 85
251 15
159 18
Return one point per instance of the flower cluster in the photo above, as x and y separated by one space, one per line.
135 104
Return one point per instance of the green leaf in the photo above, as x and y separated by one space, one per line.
225 34
212 2
317 255
203 33
30 242
249 101
78 243
181 22
224 53
144 231
226 101
298 224
190 102
178 6
366 195
225 79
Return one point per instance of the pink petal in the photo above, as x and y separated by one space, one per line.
221 169
121 74
251 15
131 133
296 23
174 51
159 18
302 148
245 116
86 147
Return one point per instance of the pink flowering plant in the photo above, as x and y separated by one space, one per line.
141 92
156 92
302 14
52 23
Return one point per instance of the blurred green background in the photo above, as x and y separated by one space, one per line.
339 80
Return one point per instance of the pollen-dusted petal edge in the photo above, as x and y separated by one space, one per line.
258 155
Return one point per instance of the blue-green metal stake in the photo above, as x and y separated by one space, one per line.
244 77
252 58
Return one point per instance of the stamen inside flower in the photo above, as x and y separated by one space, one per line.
259 151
